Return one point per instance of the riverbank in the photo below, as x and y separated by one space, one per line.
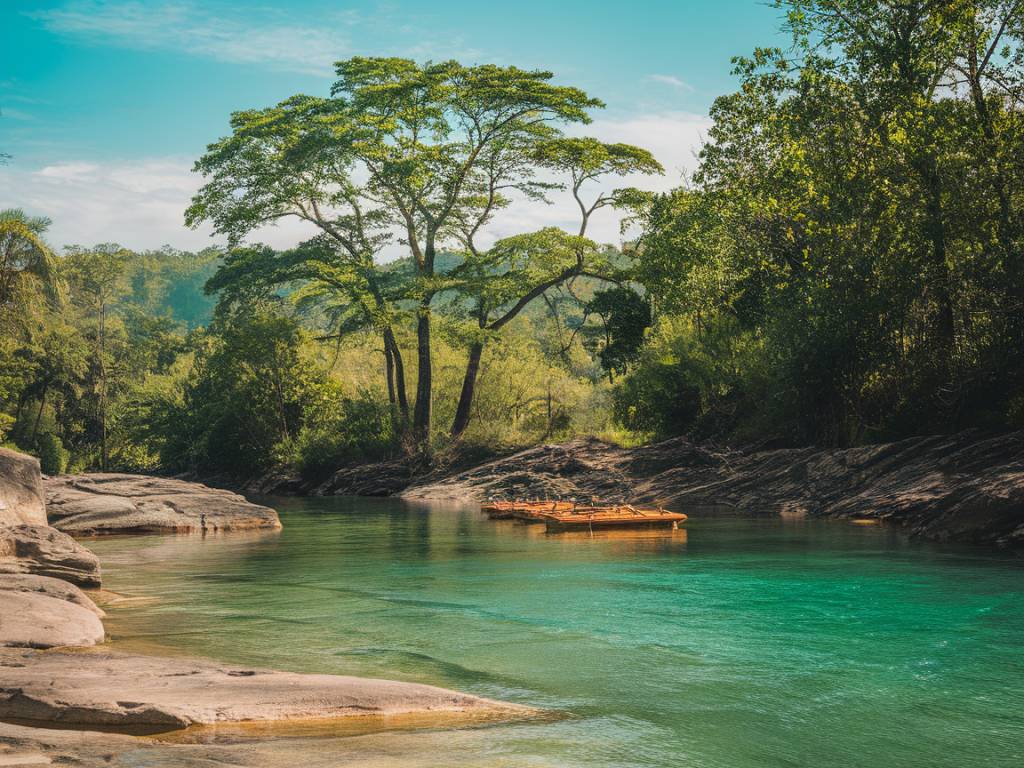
967 487
57 673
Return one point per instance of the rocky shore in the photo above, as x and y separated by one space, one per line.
56 674
967 487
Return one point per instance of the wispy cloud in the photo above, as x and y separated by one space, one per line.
15 114
671 80
140 204
265 37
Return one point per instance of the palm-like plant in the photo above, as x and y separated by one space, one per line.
28 266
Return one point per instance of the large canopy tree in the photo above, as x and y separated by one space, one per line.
425 154
848 255
502 280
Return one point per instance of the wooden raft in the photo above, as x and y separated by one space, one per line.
570 516
624 516
528 511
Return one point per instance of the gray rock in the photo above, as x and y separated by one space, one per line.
116 503
144 694
21 492
43 551
36 620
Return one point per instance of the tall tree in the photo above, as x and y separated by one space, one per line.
99 279
429 151
504 279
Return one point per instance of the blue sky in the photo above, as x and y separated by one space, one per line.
106 103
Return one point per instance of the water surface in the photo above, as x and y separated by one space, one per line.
732 644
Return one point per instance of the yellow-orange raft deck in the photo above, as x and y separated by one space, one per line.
528 511
568 516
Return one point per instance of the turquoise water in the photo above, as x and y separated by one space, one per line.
734 643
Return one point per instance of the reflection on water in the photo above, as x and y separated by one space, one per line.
728 643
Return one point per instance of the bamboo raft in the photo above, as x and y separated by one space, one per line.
527 511
568 516
622 516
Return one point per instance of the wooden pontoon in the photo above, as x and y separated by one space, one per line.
529 511
570 516
623 516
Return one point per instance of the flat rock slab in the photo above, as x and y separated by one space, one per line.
145 694
97 504
42 551
35 620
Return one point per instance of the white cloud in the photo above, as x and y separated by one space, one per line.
141 204
671 80
265 38
68 171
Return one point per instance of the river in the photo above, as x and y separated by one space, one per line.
731 644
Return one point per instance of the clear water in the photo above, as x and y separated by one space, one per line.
734 643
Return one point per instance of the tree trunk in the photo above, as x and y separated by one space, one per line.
399 374
103 385
39 414
938 278
464 409
424 379
389 373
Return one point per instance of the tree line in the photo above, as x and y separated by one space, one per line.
846 263
843 266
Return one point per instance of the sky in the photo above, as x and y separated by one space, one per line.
106 104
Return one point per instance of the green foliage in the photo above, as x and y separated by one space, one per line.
844 265
625 317
353 430
53 457
854 227
433 151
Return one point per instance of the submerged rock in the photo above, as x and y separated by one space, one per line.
117 503
144 694
21 492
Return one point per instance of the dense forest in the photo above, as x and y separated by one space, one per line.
844 266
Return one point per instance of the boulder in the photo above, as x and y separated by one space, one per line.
21 490
143 694
95 504
31 619
43 551
48 587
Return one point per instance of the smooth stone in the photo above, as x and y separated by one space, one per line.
50 587
35 620
106 503
138 694
21 491
43 551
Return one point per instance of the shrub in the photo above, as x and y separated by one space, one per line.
53 456
361 429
